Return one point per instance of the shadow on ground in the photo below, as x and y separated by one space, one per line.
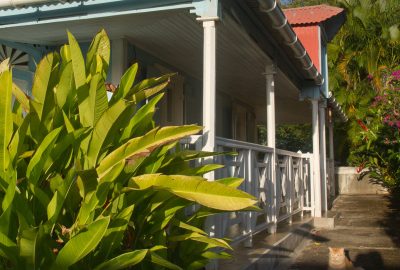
391 220
368 228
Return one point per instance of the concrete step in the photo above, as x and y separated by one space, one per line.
328 221
271 252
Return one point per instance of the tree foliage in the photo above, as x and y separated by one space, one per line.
92 183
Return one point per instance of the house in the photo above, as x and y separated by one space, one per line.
239 64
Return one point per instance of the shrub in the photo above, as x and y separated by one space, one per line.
91 183
379 135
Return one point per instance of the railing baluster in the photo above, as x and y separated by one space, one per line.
249 189
290 180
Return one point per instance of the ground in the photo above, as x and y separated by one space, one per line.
367 226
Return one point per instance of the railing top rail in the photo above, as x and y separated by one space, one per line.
246 145
191 139
288 153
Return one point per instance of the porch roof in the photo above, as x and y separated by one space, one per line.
241 58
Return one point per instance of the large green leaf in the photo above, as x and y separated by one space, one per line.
81 245
194 236
115 232
42 82
22 98
78 63
156 259
101 102
17 143
97 198
210 194
63 147
125 86
143 146
86 95
30 245
103 128
8 249
147 93
10 192
149 84
54 207
100 47
124 260
65 88
6 122
36 164
141 118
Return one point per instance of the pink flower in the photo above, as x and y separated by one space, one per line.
386 119
396 74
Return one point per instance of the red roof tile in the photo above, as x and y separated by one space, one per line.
311 14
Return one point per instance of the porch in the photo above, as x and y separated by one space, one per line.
239 65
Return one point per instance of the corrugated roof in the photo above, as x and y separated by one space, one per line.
311 14
45 3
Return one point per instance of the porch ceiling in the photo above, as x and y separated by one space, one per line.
176 38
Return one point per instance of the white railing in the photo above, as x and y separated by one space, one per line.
289 194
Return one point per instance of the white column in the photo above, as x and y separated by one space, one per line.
118 61
331 151
209 85
322 138
214 224
271 139
316 159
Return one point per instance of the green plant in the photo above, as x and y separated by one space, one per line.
378 140
91 183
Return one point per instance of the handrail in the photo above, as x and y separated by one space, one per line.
240 144
288 153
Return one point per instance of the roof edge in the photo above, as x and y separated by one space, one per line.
280 23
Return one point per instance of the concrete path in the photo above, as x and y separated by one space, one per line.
368 226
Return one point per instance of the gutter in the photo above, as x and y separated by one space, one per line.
20 3
335 105
280 23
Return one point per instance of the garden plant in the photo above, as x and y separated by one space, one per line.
92 183
378 145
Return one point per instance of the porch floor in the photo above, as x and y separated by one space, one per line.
271 251
368 226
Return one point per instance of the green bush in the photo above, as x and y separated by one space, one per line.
378 143
91 183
